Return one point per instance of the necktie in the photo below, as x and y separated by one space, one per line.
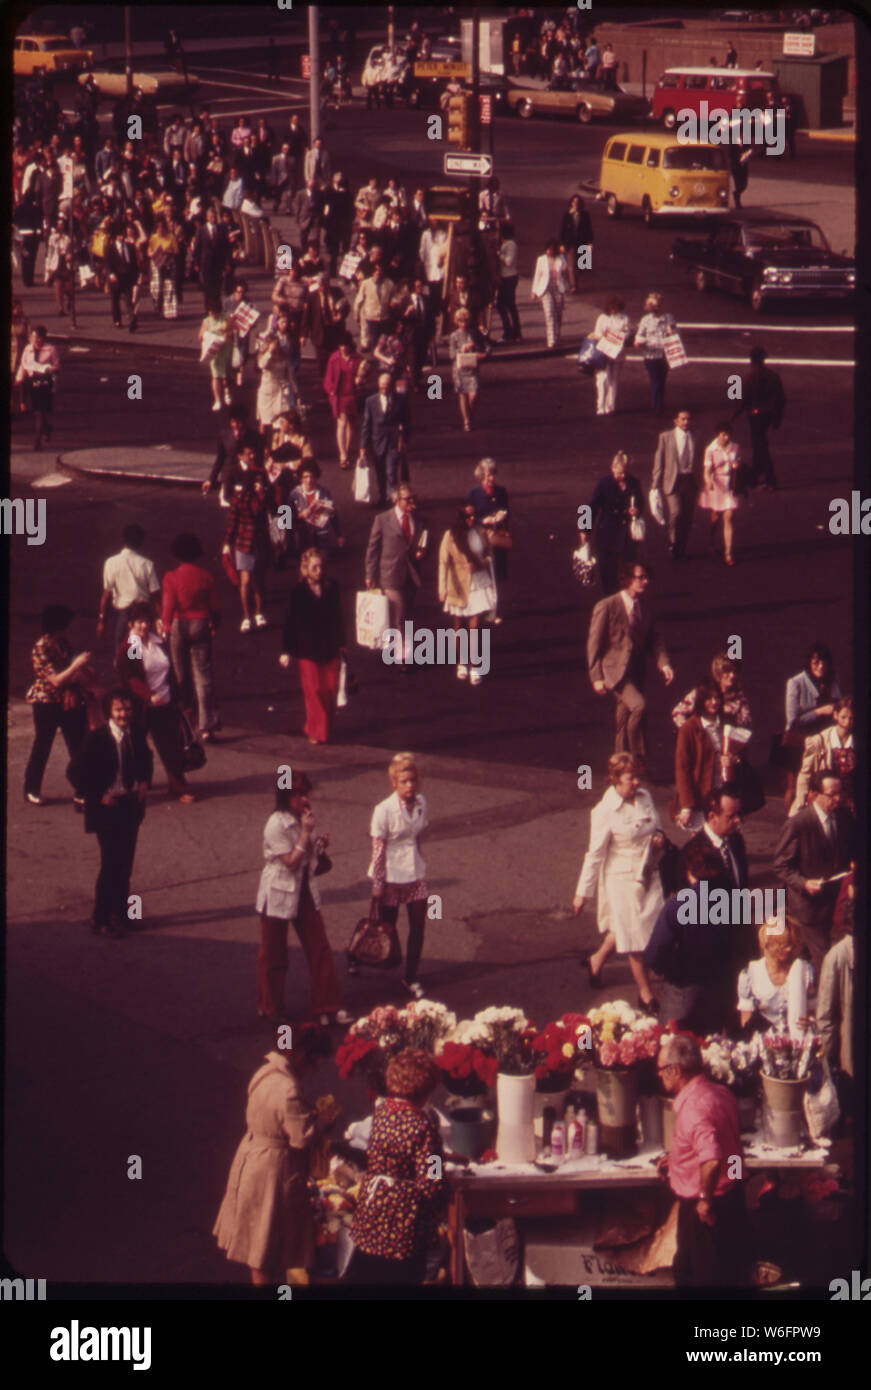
127 775
406 527
634 617
726 856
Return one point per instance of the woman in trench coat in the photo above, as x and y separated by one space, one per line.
266 1219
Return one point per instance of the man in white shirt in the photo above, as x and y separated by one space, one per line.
128 578
722 809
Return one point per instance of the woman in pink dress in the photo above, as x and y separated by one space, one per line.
719 494
341 380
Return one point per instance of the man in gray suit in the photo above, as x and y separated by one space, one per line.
395 549
621 638
317 168
384 435
674 476
815 850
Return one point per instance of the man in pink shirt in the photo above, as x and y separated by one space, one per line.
705 1169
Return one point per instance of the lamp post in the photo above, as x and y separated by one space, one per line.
128 57
314 81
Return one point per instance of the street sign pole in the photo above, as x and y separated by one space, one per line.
314 80
476 110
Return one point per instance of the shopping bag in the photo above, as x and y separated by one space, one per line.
673 348
362 482
654 502
612 343
86 276
212 344
374 943
637 529
342 691
373 618
590 359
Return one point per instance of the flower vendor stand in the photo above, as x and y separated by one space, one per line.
515 1139
473 1126
617 1097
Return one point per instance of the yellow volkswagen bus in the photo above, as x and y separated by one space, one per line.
661 175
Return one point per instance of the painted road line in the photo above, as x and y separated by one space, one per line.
261 110
774 328
742 361
238 86
261 76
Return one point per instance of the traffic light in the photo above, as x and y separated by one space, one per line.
459 120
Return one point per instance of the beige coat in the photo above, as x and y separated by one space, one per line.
265 1219
835 1004
455 570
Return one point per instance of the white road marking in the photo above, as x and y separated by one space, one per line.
243 72
775 327
742 361
238 86
261 110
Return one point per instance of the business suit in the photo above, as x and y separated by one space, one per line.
763 402
386 426
805 852
674 475
210 258
324 315
115 826
391 563
281 177
123 271
737 875
306 207
617 652
317 168
696 961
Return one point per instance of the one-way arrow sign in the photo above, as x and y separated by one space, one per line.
480 165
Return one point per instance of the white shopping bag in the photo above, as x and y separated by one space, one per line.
612 342
654 502
342 692
675 355
373 618
362 482
212 344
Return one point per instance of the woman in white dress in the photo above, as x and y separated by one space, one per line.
397 868
466 584
624 828
278 390
719 495
613 320
774 989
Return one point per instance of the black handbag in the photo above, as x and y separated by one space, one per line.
193 754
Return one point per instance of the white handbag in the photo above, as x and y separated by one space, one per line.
342 691
637 528
363 482
654 501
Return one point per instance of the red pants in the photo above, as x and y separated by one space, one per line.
272 960
319 686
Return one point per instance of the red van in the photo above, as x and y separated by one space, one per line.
684 89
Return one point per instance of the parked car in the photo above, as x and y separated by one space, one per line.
585 101
380 67
662 175
51 52
430 93
158 84
766 256
684 89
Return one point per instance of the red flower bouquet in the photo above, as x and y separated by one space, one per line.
467 1070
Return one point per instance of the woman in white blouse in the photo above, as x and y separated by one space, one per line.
144 666
550 284
397 869
624 829
776 987
288 892
831 751
615 323
719 494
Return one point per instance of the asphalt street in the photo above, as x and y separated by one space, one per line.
144 1046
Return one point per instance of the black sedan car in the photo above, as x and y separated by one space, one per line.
430 93
767 256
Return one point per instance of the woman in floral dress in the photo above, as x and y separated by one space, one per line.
719 496
395 1222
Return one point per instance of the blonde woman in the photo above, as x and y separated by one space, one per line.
719 495
397 869
773 991
464 359
466 585
650 336
624 827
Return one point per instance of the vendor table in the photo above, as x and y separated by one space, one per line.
493 1191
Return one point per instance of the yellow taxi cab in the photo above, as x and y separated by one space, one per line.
51 52
663 176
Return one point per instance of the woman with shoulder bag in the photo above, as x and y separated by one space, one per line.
288 893
492 511
611 323
397 868
617 507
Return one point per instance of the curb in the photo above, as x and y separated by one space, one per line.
116 475
846 136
